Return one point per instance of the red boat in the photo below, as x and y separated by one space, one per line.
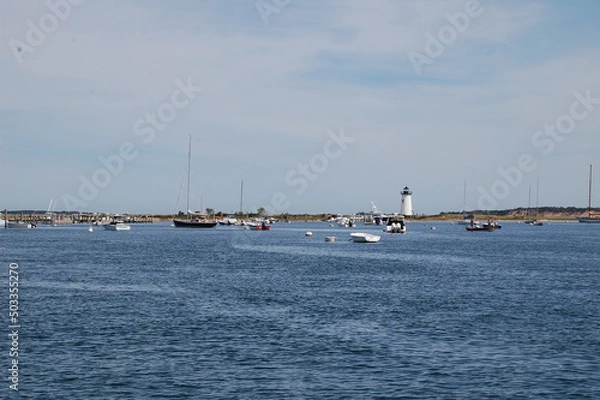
260 227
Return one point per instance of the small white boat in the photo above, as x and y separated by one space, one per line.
230 220
19 224
308 234
360 237
347 222
330 238
395 225
258 225
116 226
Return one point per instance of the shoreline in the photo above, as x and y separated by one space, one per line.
63 218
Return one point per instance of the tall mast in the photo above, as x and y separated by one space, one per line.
189 180
590 193
537 197
529 201
242 197
464 204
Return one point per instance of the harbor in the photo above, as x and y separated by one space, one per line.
41 218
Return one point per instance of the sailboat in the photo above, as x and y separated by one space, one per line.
528 221
465 219
591 218
49 216
534 221
192 220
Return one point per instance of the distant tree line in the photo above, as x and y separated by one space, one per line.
530 211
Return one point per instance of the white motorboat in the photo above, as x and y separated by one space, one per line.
360 237
330 238
395 225
230 220
116 226
347 222
258 225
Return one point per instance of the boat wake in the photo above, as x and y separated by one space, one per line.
326 251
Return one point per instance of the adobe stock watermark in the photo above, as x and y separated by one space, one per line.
14 325
299 177
146 128
36 34
266 8
545 140
435 46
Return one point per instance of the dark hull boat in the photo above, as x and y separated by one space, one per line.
591 218
180 223
480 228
488 227
192 220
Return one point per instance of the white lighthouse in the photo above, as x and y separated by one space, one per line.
406 204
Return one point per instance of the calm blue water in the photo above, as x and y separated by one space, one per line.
159 312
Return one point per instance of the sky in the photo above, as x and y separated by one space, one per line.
319 106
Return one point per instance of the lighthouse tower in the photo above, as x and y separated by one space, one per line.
406 204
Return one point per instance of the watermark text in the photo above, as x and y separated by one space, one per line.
13 326
546 140
36 34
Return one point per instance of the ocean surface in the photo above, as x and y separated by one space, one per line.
165 313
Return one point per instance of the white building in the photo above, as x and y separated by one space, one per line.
406 207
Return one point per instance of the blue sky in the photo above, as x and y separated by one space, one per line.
276 87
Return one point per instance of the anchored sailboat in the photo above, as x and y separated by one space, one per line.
534 221
192 220
465 219
591 218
